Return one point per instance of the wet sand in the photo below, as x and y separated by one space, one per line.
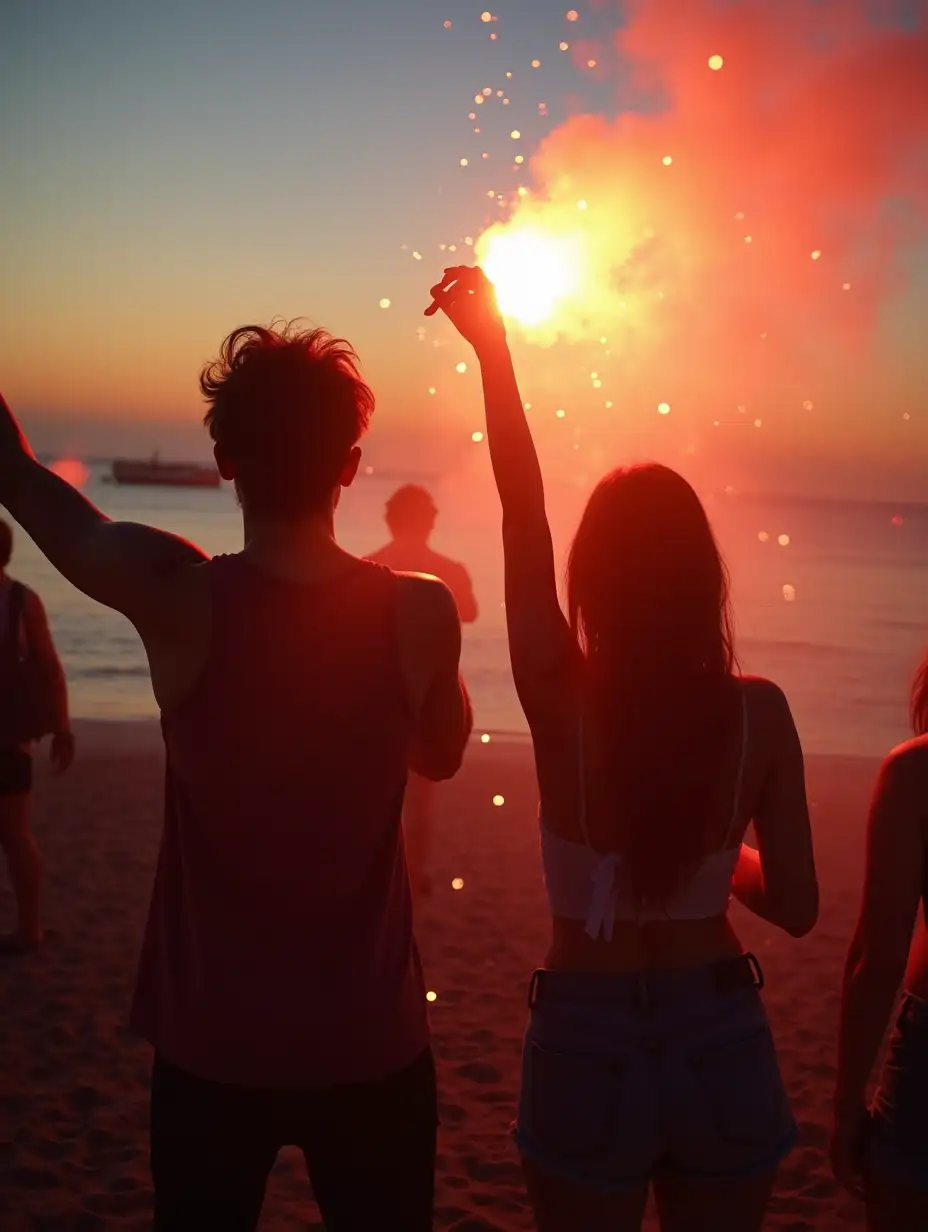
73 1082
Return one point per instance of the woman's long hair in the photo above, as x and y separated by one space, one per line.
918 708
648 600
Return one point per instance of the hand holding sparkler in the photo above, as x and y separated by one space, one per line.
468 299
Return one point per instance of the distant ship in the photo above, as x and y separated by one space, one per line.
165 474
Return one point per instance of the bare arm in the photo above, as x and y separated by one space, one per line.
430 638
876 961
122 565
539 638
42 646
778 880
463 591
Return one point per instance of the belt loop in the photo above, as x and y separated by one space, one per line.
533 989
755 970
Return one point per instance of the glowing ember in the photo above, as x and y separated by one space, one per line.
431 389
447 25
457 883
591 63
667 160
560 413
385 303
486 16
663 408
485 738
461 367
476 437
581 205
536 64
789 593
572 15
816 254
763 536
532 271
499 801
515 134
417 256
463 162
715 63
563 46
431 996
783 540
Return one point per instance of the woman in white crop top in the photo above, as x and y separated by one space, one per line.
648 1059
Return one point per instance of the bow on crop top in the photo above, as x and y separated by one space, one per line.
593 887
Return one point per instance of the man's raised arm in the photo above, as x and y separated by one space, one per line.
123 565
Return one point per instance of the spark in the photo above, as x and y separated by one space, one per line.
476 437
560 413
463 162
845 286
486 16
515 134
715 63
789 593
591 63
783 541
431 996
536 64
417 256
581 205
572 15
532 271
461 367
485 738
457 883
816 253
431 389
499 801
385 303
563 46
667 160
448 25
763 536
663 408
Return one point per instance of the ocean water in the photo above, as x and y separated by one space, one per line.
838 616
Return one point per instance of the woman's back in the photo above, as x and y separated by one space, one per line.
598 924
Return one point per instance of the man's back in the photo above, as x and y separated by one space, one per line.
280 924
417 557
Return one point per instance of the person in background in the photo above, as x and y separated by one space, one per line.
410 518
279 980
25 642
881 1153
648 1059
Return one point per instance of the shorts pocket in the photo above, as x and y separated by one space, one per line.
748 1112
571 1102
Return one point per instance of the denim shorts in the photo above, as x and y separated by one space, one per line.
898 1141
626 1077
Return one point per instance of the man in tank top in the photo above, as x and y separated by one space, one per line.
279 980
410 516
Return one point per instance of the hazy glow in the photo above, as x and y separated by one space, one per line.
533 270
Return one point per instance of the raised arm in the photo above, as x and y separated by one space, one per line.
122 565
879 950
777 881
539 638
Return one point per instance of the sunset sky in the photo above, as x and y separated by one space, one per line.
173 170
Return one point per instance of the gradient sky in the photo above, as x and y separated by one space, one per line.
174 169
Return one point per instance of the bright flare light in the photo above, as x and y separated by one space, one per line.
532 272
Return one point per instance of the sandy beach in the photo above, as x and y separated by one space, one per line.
73 1091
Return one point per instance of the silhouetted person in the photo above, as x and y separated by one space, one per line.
881 1153
33 703
279 981
648 1059
410 517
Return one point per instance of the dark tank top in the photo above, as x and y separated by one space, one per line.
279 948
